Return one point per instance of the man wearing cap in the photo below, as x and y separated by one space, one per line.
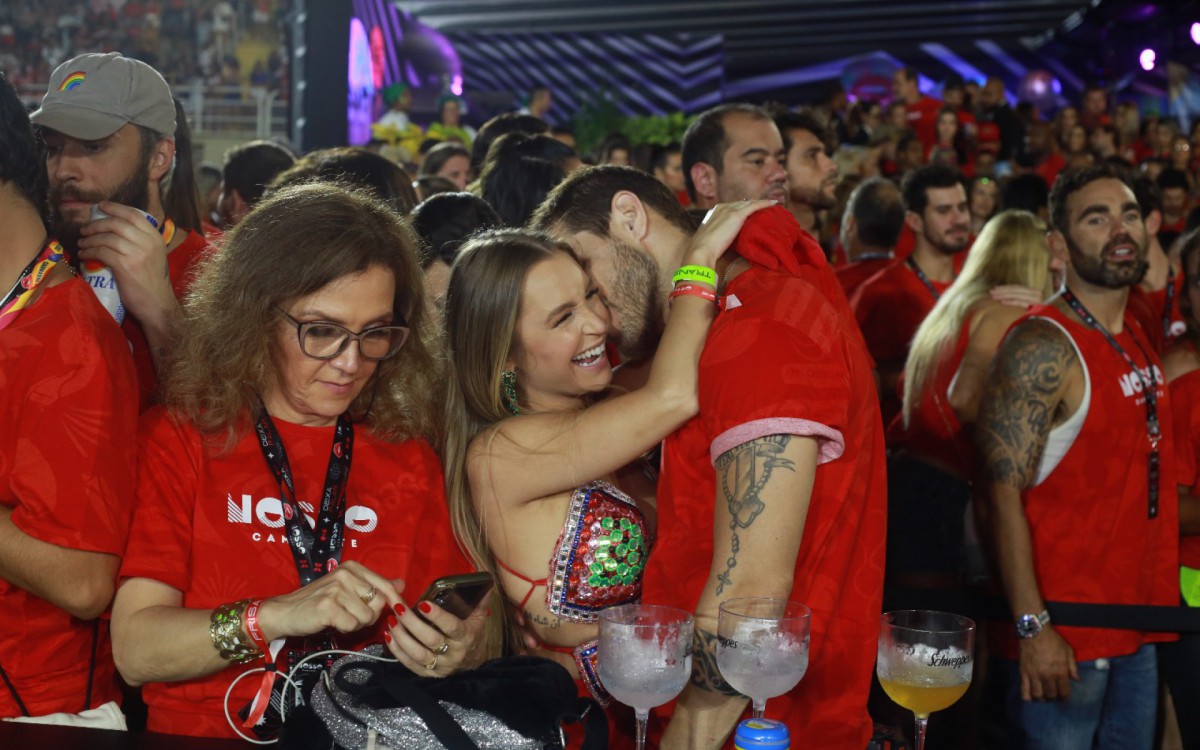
109 122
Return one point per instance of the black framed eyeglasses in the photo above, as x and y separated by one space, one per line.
321 340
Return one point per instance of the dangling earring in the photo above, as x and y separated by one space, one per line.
508 392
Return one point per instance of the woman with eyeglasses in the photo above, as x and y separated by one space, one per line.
288 499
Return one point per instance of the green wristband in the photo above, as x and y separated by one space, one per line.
695 273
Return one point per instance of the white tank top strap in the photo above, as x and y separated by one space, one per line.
1062 437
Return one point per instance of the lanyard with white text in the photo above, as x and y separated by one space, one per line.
1149 386
316 551
924 279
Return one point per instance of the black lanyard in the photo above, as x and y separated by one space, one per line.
1149 387
316 551
924 279
1166 320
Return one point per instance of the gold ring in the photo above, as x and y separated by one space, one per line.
368 597
432 665
442 648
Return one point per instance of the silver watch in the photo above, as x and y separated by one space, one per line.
1030 625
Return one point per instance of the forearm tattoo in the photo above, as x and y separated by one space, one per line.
742 475
1021 399
705 673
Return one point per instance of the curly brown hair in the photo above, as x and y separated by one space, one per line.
293 244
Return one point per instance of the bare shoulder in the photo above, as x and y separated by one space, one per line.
1179 360
1034 345
994 318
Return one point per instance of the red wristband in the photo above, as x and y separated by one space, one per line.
256 635
691 290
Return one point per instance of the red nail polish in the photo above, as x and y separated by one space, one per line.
387 637
425 607
391 622
400 610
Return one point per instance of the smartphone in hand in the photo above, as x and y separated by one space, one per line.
459 595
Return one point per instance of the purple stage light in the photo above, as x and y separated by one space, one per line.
1147 59
1196 32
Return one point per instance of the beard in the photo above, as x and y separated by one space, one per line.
635 296
1096 271
134 192
816 198
946 246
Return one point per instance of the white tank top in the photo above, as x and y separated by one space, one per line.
1061 438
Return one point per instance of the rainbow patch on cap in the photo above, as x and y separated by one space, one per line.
72 80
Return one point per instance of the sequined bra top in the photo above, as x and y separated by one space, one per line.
599 557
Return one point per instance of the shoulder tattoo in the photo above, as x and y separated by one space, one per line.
1022 394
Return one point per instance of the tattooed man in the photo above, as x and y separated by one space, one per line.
776 489
1075 432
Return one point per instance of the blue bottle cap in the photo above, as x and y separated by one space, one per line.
761 734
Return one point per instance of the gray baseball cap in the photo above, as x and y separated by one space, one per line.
91 96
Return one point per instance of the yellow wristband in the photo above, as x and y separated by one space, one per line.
699 274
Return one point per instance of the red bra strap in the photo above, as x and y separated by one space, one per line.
533 585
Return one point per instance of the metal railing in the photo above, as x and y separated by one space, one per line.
227 111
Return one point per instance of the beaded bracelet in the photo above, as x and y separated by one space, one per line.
225 628
688 290
699 274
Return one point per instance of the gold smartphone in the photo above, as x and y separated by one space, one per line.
459 595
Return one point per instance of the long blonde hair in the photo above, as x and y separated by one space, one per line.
482 307
292 244
1010 249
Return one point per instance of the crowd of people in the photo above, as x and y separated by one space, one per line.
826 354
186 40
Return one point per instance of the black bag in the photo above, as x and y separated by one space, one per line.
513 703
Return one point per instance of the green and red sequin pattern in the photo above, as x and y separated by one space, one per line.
600 556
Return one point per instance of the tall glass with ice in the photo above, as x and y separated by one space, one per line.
762 647
925 661
644 657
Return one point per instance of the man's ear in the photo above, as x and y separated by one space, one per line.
704 178
1154 221
629 220
1057 243
914 222
162 156
239 206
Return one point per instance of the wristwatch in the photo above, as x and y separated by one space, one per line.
1030 625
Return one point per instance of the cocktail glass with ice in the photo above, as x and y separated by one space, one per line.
644 657
762 647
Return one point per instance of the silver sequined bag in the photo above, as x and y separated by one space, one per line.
515 703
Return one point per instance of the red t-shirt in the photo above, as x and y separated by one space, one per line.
1185 410
889 308
68 411
855 274
786 359
1050 167
934 429
180 264
211 526
1091 534
1150 310
922 118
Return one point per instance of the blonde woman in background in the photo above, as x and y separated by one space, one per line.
949 358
